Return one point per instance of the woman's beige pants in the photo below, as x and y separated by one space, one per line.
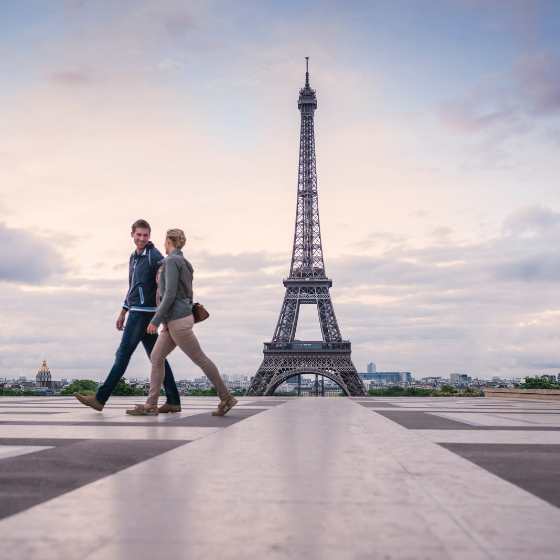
180 333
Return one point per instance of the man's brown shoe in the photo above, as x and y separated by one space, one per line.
90 400
225 406
165 408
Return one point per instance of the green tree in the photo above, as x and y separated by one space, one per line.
445 391
84 386
124 389
448 390
538 382
203 392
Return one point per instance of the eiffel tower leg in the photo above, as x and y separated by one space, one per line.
327 319
287 322
261 379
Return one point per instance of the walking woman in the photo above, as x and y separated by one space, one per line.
175 313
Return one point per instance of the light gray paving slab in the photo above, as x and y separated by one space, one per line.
88 415
491 436
18 417
103 432
7 451
503 419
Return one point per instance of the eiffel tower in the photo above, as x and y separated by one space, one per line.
285 357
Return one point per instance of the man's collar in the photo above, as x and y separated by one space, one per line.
149 245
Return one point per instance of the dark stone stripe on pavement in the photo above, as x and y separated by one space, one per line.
206 420
534 467
423 421
51 442
28 480
414 420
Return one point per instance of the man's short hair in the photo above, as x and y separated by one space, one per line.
141 224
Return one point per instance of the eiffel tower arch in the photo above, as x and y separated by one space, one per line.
307 284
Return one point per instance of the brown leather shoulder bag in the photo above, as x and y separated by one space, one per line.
199 312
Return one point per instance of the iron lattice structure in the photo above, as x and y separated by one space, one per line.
285 357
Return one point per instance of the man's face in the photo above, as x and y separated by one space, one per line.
140 236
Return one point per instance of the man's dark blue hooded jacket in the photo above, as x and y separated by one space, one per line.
142 269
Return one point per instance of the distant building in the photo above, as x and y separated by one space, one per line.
44 376
236 382
201 383
432 381
371 368
459 379
387 377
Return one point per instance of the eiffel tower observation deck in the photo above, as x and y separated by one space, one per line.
307 284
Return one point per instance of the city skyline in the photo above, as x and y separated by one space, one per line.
437 140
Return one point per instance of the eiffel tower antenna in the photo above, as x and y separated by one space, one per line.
307 283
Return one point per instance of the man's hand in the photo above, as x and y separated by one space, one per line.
120 320
152 329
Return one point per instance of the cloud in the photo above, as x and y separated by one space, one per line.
511 103
70 78
538 365
531 221
544 267
554 136
27 258
241 263
538 79
179 23
522 19
468 117
384 239
442 234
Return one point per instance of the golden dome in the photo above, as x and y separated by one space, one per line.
44 374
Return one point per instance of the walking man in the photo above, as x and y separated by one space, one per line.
140 305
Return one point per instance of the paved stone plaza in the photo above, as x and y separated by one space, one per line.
312 478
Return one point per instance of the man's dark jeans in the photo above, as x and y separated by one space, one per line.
134 333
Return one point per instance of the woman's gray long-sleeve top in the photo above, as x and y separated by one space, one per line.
175 288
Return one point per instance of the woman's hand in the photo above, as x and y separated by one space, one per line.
152 329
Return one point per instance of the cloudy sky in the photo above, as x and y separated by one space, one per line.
438 136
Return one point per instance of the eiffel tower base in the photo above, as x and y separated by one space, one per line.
279 365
